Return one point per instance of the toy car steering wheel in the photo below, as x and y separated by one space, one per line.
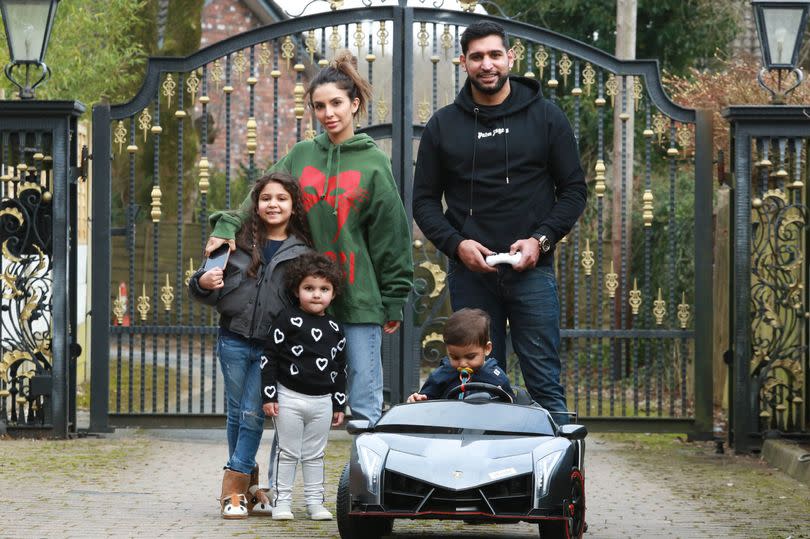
496 392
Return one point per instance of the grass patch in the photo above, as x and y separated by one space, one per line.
742 491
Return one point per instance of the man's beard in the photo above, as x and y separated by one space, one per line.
490 89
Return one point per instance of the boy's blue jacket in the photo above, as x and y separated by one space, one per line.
446 377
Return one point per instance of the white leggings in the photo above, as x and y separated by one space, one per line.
302 426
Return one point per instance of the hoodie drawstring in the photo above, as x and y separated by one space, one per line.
475 145
328 172
506 145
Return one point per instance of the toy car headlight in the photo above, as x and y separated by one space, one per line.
542 471
371 462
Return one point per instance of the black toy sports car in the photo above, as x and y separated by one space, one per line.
472 459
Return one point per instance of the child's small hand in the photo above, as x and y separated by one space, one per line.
417 397
270 409
212 279
337 418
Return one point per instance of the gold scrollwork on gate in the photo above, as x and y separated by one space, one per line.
541 60
659 308
193 85
311 45
265 56
359 38
660 125
240 64
520 53
587 258
611 281
446 40
635 297
612 88
120 135
217 73
145 122
565 68
683 312
382 37
189 272
143 304
439 277
638 92
169 87
423 111
588 77
382 109
167 294
422 37
287 50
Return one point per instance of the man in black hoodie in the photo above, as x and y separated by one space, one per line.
507 164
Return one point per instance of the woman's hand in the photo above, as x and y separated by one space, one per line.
212 279
391 326
270 409
337 418
214 242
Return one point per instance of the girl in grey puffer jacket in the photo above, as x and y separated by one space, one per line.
248 293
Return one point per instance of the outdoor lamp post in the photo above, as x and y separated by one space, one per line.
780 28
28 26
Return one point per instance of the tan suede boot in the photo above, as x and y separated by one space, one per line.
258 503
232 499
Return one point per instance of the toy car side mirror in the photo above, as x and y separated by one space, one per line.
573 432
357 426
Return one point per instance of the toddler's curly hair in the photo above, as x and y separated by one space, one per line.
315 265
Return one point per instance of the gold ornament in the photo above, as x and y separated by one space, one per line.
659 309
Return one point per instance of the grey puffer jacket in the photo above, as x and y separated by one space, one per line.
248 306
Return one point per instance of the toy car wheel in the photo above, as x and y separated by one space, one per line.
353 526
559 529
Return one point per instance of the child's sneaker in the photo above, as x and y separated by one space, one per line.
318 512
283 511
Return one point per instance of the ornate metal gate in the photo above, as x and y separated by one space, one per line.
629 348
770 289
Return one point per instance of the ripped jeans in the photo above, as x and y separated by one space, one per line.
239 361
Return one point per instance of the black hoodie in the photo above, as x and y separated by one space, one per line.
506 172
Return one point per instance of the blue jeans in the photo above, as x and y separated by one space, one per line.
239 361
529 301
364 370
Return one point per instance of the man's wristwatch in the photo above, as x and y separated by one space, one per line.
543 242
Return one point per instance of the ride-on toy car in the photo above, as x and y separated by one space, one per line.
480 458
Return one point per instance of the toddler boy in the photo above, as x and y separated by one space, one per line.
466 336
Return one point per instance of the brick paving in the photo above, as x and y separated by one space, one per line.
163 483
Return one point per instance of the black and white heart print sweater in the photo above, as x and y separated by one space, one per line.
305 353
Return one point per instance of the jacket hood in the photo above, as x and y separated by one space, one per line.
524 92
357 142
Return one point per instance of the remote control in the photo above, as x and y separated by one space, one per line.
503 258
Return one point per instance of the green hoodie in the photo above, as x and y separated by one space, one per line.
357 220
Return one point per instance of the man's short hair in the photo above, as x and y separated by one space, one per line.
467 326
480 29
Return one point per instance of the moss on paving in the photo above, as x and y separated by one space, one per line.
742 491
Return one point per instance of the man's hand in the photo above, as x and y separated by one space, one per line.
212 279
214 242
530 251
472 254
270 409
417 397
337 418
391 327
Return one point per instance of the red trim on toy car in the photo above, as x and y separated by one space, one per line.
392 514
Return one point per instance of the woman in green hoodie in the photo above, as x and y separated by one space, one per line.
356 217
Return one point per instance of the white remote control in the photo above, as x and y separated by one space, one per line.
503 258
